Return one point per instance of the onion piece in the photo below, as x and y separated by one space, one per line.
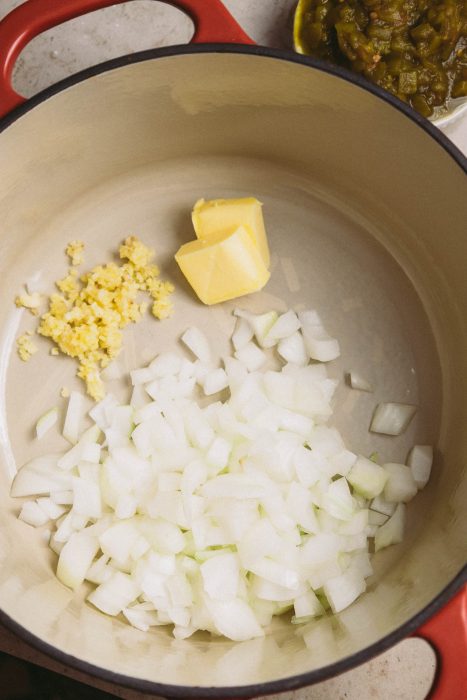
92 434
380 505
74 415
166 364
119 539
400 485
32 514
218 454
100 570
82 451
342 590
40 476
101 413
356 381
197 342
259 323
50 508
300 507
242 334
285 325
420 462
46 422
221 576
34 283
292 349
75 559
338 501
251 357
342 462
375 518
308 605
367 478
139 397
392 532
215 381
392 418
86 498
319 344
140 618
64 498
141 376
235 619
115 594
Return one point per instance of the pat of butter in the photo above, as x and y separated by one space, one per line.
224 266
221 214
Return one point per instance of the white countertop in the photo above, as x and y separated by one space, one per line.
406 671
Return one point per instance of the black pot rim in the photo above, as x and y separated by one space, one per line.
411 625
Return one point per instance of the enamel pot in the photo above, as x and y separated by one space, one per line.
366 211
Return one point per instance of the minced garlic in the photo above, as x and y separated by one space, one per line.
26 346
86 318
75 250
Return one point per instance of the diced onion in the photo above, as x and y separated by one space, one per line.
392 418
197 342
420 462
342 590
320 345
35 283
215 381
400 485
32 514
283 327
40 476
379 505
218 515
375 518
392 531
292 349
367 478
166 364
75 558
46 422
260 324
73 417
50 508
242 334
356 381
251 356
115 594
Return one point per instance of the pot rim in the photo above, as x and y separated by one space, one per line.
441 599
252 50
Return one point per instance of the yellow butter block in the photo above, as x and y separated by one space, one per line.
224 266
221 214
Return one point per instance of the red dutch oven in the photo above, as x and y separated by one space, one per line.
366 209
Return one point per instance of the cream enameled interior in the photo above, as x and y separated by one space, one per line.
366 216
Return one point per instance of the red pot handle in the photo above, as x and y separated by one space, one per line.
447 634
213 23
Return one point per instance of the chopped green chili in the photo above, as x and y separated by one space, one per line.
415 49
